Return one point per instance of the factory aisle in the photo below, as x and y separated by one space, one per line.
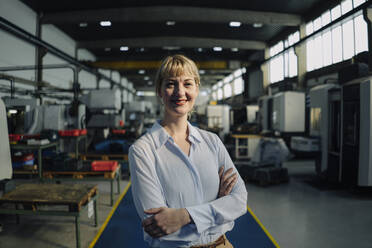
124 227
306 214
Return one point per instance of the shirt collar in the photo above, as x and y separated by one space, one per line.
160 136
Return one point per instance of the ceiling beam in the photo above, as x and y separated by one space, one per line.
174 43
133 65
172 13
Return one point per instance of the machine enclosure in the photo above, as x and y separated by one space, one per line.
289 112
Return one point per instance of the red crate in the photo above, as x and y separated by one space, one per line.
15 137
104 165
118 131
83 131
71 132
31 136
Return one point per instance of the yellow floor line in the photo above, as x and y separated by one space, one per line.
263 228
109 216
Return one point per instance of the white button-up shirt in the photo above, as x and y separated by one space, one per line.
164 176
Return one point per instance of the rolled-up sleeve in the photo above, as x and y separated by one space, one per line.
224 209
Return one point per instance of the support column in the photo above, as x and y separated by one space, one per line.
265 71
39 54
300 51
367 14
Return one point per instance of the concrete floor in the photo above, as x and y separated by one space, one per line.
57 231
298 214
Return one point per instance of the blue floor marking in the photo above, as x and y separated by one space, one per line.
124 230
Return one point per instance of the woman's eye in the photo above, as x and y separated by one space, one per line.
170 84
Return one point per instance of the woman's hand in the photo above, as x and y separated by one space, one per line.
227 181
165 221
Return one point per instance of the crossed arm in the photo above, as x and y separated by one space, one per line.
165 220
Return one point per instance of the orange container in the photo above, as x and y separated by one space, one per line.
104 165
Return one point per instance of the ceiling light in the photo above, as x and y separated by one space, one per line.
105 23
83 24
146 78
257 25
170 48
234 49
142 49
107 49
149 83
170 23
217 49
200 49
201 71
141 71
124 48
235 24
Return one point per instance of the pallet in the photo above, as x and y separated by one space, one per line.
79 174
95 156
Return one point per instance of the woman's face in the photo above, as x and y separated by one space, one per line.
178 94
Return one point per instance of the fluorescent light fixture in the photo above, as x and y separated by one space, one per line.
105 23
83 24
171 48
200 49
201 71
235 24
234 49
141 72
217 49
170 23
107 49
257 25
13 111
149 83
124 48
146 78
140 93
142 49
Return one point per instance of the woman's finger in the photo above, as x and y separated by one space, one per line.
228 180
227 174
220 171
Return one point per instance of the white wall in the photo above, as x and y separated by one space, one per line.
13 51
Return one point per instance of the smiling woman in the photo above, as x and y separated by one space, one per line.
185 187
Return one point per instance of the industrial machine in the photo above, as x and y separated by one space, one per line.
265 104
320 115
288 114
24 115
219 118
5 160
356 129
103 108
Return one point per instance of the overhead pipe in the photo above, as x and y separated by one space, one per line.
28 37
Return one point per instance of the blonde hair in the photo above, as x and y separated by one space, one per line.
175 65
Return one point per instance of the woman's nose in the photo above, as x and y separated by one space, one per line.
179 90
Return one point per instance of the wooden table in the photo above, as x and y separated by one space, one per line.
87 176
75 197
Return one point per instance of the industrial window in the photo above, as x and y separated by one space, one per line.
227 92
238 85
214 95
219 94
341 41
283 64
230 86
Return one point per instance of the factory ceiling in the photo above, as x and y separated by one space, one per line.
133 36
